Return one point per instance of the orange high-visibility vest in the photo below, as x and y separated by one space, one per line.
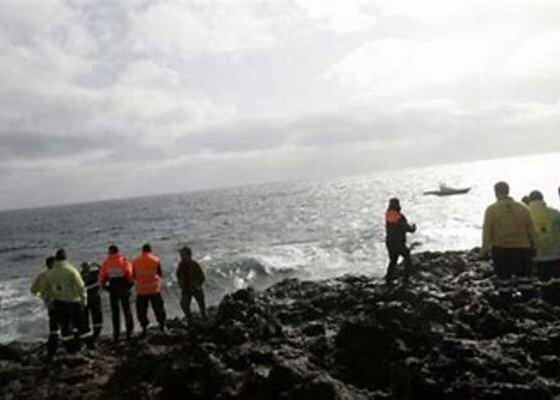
146 277
393 217
115 266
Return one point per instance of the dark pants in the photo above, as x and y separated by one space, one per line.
513 268
548 273
64 317
121 298
142 303
186 298
94 310
396 251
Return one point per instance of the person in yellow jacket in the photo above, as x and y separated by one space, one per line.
64 289
509 238
547 261
190 277
38 289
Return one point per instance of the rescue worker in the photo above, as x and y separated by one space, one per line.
509 238
90 273
546 221
64 289
190 277
396 227
38 289
116 276
147 273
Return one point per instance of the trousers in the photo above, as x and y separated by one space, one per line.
158 307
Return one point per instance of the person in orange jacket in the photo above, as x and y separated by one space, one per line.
147 273
397 227
116 276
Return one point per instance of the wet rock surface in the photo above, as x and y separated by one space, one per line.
444 336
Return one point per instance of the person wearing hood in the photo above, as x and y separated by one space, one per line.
508 236
116 276
396 227
547 260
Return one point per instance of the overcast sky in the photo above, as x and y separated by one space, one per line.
107 98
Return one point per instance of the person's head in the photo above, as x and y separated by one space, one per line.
146 248
501 189
536 195
185 252
525 200
394 204
85 267
49 262
60 255
113 249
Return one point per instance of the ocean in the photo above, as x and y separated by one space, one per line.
258 235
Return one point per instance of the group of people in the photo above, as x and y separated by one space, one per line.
521 238
73 297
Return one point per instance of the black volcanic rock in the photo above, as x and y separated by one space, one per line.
445 336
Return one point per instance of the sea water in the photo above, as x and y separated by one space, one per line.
258 235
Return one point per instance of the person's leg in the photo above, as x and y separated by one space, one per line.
97 318
393 259
199 296
66 333
129 321
54 331
142 311
159 309
186 297
523 270
407 273
76 312
500 259
115 314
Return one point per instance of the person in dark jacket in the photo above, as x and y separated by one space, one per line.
90 273
190 277
397 227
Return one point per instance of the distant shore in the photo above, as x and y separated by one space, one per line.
447 335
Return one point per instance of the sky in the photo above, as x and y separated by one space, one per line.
106 99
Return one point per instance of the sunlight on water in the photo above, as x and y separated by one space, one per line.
257 235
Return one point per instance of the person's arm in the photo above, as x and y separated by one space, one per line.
37 287
530 227
487 234
406 226
159 270
128 271
79 287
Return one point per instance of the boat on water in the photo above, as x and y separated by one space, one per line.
445 190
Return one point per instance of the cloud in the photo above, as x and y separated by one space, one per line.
100 97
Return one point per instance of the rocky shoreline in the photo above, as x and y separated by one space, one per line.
445 336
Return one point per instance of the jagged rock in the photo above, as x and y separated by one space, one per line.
445 335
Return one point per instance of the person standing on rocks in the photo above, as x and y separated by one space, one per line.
116 275
547 261
508 236
38 289
90 273
147 272
64 289
396 227
190 277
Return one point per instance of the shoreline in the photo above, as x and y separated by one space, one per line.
446 335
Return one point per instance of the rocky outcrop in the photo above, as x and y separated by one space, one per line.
445 336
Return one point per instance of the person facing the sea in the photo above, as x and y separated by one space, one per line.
147 273
190 277
64 289
38 289
508 236
396 227
116 275
547 261
90 273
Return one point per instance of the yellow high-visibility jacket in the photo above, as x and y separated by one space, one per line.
547 228
507 224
